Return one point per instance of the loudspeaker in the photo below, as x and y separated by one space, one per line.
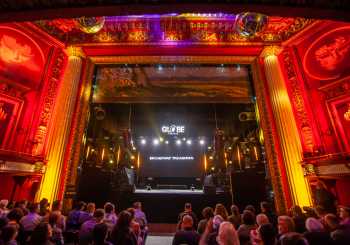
209 190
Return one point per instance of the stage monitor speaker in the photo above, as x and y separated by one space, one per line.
209 187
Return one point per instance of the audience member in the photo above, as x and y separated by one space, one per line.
227 234
121 233
57 233
188 211
44 207
140 218
267 210
86 230
41 235
9 234
88 213
254 234
3 208
344 214
235 217
298 218
207 214
212 231
32 219
293 238
221 210
187 234
248 224
339 233
100 232
251 209
57 209
315 233
73 220
324 197
110 218
267 234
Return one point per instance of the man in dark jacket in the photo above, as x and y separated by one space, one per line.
187 235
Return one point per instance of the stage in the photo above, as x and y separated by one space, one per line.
170 191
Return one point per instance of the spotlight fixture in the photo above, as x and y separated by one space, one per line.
211 157
161 139
178 142
143 142
201 142
156 142
111 161
189 142
166 142
209 147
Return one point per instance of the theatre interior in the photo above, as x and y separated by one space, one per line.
224 105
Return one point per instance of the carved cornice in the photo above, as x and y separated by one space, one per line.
271 51
336 89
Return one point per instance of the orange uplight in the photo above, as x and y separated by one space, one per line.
118 155
239 157
225 156
87 152
205 163
256 153
103 154
138 160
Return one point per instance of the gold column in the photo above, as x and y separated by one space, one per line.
60 125
286 128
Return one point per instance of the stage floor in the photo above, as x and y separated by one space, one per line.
169 191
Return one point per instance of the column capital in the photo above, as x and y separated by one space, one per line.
75 52
272 50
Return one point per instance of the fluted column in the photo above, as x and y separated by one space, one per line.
60 125
286 128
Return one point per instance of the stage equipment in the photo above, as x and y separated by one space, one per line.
246 116
90 25
209 187
250 24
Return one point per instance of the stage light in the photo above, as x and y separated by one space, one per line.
230 148
201 142
132 157
143 141
111 161
184 139
92 150
132 167
167 142
156 142
212 168
178 142
211 157
161 139
189 142
134 148
111 148
230 162
209 147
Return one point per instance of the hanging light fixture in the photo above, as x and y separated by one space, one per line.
90 25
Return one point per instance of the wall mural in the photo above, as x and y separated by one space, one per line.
327 58
21 58
172 82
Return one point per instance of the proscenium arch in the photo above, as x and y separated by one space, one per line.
266 119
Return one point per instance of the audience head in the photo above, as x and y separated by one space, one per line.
331 222
187 222
267 234
293 238
265 207
221 210
124 220
109 207
132 212
90 207
137 205
188 207
217 220
41 234
344 212
285 224
262 219
207 213
250 208
227 234
34 208
57 205
235 210
80 205
4 203
44 204
320 211
15 215
9 233
313 225
100 233
248 217
99 214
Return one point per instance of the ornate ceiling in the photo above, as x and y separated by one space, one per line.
176 29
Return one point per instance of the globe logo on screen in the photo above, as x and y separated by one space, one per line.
173 129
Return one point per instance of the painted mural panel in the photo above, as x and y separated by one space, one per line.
22 59
327 57
172 82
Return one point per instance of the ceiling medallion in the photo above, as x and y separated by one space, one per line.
90 25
